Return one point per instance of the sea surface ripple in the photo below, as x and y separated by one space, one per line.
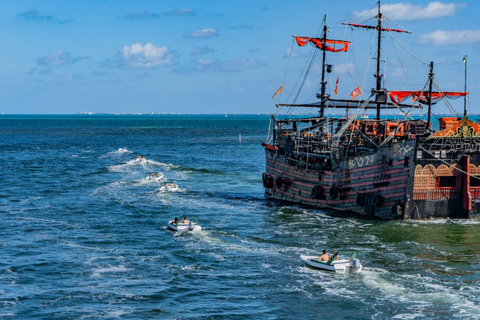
83 232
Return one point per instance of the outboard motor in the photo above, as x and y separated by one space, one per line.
356 264
190 226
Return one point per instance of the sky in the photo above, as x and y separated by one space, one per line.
221 56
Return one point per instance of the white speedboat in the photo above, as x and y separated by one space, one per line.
169 187
155 176
341 262
184 224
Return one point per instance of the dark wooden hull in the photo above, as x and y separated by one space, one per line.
381 185
373 185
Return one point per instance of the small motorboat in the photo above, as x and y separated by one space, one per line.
140 159
169 187
340 262
155 176
184 224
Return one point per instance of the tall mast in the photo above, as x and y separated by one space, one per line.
322 103
380 94
465 97
430 80
378 86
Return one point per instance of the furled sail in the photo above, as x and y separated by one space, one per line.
422 96
324 44
375 27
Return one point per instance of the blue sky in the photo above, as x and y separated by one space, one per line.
216 56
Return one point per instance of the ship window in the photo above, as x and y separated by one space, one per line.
475 181
419 154
443 154
437 154
447 181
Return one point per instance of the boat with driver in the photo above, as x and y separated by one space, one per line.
184 224
155 176
339 262
169 187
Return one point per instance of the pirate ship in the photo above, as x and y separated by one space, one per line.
382 167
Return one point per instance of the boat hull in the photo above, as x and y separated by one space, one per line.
370 185
395 182
191 226
169 188
338 266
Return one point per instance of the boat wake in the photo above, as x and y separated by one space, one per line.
121 150
145 164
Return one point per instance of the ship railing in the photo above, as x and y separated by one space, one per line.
475 192
436 194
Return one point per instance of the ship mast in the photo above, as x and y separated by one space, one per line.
381 97
378 86
465 97
323 83
430 83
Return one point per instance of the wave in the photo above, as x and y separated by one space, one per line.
145 164
121 150
98 272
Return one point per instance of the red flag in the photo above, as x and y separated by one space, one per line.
336 86
356 92
279 91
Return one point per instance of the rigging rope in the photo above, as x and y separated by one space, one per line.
351 118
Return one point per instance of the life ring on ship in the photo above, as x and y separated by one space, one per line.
267 180
361 199
333 193
279 182
316 192
376 199
397 211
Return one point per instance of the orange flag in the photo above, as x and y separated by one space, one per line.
279 91
336 86
356 92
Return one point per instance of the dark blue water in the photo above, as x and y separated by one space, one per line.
83 233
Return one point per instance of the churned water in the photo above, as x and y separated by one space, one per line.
83 233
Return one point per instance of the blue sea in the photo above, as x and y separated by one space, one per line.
83 233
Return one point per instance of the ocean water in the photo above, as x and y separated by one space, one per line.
83 233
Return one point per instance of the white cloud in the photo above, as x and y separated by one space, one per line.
344 68
203 33
441 37
138 56
58 58
407 11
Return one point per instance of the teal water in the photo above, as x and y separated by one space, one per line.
83 233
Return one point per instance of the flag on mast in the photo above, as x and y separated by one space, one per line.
279 91
336 86
464 59
356 92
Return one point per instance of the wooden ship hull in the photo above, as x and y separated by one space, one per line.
411 178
